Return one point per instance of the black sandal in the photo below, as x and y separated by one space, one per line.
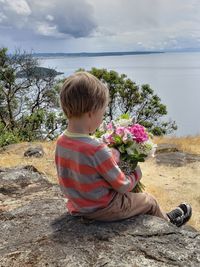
180 215
187 209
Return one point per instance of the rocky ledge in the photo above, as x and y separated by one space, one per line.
35 230
170 154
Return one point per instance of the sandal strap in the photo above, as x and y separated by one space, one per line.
174 214
184 207
187 212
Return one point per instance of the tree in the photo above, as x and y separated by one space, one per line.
139 101
29 100
28 97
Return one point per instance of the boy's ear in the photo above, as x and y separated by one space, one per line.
89 114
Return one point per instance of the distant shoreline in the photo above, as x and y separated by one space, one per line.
97 54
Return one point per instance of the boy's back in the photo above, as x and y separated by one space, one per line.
77 165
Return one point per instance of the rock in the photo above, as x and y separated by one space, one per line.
169 154
177 159
34 152
39 232
174 158
19 181
192 158
165 148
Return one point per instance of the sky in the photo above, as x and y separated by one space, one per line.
99 25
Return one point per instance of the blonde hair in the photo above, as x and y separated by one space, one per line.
82 92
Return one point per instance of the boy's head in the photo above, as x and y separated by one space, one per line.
81 93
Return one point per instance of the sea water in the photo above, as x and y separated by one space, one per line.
174 77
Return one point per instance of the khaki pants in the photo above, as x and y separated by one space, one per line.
126 205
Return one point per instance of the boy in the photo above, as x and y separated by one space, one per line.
88 174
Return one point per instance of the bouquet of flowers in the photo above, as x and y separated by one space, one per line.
130 143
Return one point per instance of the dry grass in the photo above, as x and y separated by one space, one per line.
173 185
13 156
170 185
190 144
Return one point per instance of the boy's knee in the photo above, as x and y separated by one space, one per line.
151 203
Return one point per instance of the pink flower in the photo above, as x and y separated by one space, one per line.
110 126
108 139
139 133
127 136
120 131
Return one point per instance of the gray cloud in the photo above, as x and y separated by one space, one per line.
80 23
57 19
94 25
131 15
148 23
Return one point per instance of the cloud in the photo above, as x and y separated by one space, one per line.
94 25
57 19
19 7
147 24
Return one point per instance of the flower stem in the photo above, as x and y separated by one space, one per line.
139 188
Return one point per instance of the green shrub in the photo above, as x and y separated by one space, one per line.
7 138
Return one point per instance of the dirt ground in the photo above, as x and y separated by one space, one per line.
170 185
173 185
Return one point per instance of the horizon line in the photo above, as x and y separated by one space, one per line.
117 52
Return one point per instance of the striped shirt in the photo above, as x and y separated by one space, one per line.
88 174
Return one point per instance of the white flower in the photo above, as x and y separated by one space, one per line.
131 149
153 151
124 122
148 148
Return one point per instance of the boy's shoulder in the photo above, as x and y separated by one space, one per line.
85 142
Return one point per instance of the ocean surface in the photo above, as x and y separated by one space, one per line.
174 77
